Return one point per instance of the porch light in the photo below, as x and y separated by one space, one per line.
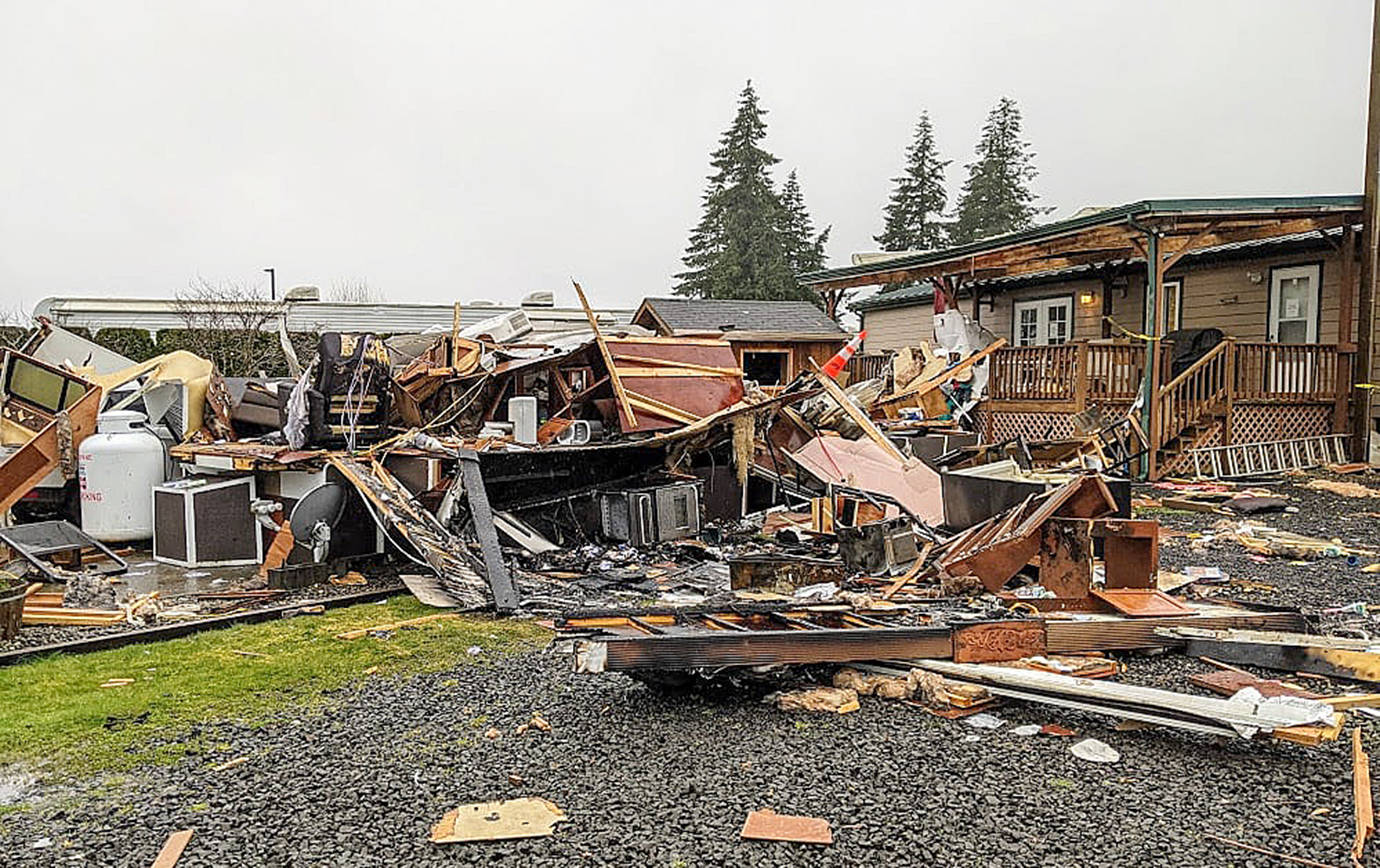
1087 297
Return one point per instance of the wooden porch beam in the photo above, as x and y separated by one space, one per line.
1192 243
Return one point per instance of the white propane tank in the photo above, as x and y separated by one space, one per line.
118 466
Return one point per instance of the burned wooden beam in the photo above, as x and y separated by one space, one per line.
761 636
1289 652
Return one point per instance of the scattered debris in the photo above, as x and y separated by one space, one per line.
172 849
767 825
831 699
498 821
1361 797
1095 751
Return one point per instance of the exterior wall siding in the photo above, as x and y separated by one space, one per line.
895 327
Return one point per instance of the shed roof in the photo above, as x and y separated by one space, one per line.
686 315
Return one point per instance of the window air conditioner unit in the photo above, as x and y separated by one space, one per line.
646 516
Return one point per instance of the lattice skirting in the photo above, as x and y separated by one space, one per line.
1264 423
998 425
1002 425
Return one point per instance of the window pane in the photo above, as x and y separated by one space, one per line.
1293 331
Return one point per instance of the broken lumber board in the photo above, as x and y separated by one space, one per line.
767 825
1312 736
1226 682
172 849
1361 797
861 419
411 622
1288 652
1353 700
629 415
498 821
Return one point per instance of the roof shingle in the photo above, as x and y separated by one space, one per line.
713 314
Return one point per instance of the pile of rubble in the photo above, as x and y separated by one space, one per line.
666 513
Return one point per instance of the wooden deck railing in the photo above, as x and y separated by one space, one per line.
865 366
1072 372
1034 373
1289 373
1200 390
1115 371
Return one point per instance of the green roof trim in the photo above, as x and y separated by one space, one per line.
1143 208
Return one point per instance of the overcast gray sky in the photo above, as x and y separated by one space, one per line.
449 151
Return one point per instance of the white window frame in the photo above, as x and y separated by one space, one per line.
1277 276
1042 307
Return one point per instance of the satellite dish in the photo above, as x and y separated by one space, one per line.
315 515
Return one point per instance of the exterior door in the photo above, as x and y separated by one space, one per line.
1295 293
1294 296
1043 322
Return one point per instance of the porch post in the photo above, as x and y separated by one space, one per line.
1344 323
1361 370
1150 419
1081 382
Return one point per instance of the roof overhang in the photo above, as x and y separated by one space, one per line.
1110 235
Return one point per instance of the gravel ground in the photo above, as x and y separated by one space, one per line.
651 777
1313 585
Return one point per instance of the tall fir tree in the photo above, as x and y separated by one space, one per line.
805 247
742 246
914 214
996 197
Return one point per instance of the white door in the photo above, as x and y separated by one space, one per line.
1294 300
1043 322
1294 304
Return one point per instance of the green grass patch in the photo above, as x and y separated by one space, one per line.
56 714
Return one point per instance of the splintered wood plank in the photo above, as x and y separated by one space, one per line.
172 849
1360 793
767 825
629 416
859 418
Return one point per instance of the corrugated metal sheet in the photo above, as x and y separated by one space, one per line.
158 314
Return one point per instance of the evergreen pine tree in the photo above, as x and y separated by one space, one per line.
914 214
739 249
996 197
805 248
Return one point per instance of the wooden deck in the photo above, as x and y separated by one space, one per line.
1240 392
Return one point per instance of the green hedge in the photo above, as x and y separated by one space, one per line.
135 344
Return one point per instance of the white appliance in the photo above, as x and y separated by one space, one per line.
522 412
118 467
502 328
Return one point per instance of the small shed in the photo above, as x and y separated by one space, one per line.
772 340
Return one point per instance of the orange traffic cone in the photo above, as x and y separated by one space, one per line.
833 366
